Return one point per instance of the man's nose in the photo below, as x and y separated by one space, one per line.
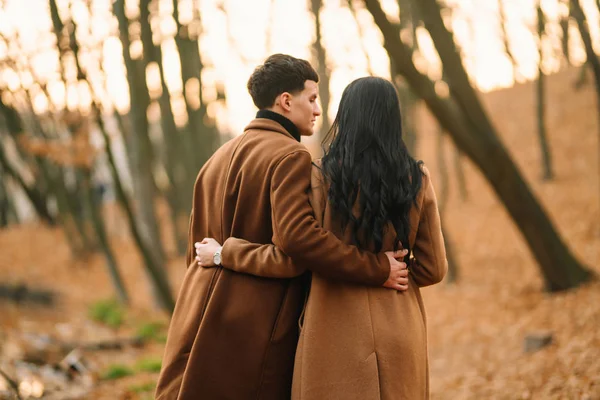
317 110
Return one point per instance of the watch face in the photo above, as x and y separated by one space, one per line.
217 259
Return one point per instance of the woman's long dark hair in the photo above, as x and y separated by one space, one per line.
367 158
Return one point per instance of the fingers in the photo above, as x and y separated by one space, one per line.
204 241
401 288
396 265
400 253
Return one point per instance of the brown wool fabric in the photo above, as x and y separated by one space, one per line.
233 335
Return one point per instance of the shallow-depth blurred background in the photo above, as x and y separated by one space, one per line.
108 109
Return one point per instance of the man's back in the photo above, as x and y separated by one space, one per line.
233 336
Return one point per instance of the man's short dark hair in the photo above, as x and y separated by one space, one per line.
280 73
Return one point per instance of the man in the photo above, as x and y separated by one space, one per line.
232 335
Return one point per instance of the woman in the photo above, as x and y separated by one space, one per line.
361 342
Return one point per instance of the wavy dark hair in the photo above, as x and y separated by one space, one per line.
366 158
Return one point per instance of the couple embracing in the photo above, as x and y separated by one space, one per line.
303 277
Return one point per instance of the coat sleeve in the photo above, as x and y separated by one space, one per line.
299 237
264 260
429 265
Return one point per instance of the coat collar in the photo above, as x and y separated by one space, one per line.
271 121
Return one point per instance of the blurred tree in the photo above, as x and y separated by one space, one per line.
37 196
204 137
142 152
592 58
505 42
464 118
67 41
453 268
177 170
408 100
547 173
460 174
322 69
564 27
144 227
4 200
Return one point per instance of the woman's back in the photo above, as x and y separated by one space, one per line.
369 343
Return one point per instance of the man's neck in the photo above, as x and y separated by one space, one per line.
277 117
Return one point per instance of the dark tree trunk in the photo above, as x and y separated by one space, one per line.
157 273
322 70
464 118
453 268
592 58
175 166
460 175
505 41
564 27
35 196
203 137
99 228
547 173
87 189
142 152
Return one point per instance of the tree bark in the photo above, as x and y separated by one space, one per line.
322 70
592 58
175 166
142 151
505 41
564 27
4 201
466 121
408 100
453 268
460 175
203 137
547 173
100 230
37 199
157 273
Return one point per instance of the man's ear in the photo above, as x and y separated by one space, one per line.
285 101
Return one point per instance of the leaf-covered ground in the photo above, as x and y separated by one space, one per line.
476 326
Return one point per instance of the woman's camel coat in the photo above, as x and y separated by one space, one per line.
366 343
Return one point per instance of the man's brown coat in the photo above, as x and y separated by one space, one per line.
233 336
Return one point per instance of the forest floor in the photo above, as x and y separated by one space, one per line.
477 326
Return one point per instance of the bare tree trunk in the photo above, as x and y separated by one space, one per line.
547 173
100 230
322 70
453 268
460 175
155 270
507 49
142 151
592 58
564 27
408 100
37 197
87 188
361 35
464 118
175 166
4 201
204 137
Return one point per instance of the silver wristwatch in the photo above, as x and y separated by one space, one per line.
217 256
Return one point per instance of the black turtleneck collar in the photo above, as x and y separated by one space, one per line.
286 123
